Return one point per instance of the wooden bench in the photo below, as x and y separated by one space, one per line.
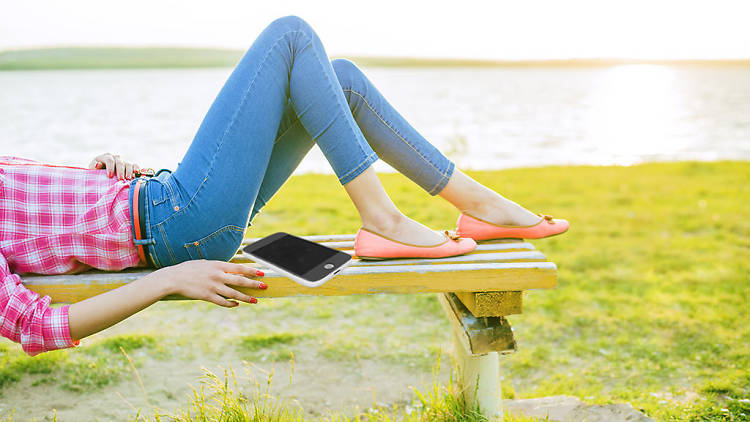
476 290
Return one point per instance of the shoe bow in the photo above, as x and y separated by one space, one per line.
547 217
452 235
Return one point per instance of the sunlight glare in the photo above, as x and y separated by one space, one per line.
635 112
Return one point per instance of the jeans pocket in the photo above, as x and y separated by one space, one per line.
220 245
158 193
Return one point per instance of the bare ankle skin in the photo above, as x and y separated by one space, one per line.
473 198
380 215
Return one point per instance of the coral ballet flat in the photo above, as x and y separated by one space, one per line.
478 229
370 245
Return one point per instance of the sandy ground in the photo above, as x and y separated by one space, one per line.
316 385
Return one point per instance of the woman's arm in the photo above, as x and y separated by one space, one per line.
199 279
27 318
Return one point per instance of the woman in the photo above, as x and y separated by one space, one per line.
283 96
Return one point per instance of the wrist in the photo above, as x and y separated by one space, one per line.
165 285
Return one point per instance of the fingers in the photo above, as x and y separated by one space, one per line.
231 293
221 301
115 166
235 275
109 163
231 268
119 167
101 162
238 280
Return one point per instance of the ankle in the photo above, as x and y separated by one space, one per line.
466 194
382 222
480 202
480 208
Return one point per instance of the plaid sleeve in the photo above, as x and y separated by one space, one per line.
28 319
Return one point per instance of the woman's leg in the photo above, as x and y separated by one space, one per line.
291 145
201 209
400 145
377 211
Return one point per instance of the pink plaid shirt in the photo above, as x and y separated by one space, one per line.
56 220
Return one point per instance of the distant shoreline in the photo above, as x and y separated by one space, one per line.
168 57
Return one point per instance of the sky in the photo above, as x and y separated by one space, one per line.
493 30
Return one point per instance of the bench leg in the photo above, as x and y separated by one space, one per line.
479 378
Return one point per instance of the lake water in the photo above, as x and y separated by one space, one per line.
482 118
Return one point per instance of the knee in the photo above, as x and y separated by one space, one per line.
346 70
291 22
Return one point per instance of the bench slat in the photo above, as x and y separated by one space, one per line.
350 237
481 257
510 246
353 280
500 265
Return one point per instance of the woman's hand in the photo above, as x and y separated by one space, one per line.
210 280
114 165
201 279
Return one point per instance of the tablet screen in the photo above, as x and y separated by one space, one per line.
294 254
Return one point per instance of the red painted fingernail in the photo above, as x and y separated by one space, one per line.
253 300
259 272
262 285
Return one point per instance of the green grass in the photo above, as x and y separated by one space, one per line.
274 347
95 366
654 277
226 398
116 58
651 306
186 57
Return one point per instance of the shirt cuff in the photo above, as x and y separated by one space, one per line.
60 328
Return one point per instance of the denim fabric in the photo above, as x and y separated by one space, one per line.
283 96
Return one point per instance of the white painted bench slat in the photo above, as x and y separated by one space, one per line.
480 247
478 257
350 238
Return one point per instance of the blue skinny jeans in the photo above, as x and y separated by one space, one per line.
283 96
